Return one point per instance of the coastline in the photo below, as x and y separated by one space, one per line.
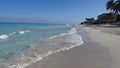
100 50
30 53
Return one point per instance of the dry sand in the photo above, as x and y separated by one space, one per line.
100 50
108 40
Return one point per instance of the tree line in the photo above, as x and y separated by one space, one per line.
113 17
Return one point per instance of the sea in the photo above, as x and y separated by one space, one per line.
22 44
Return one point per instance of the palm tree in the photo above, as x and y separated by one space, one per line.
117 6
117 3
115 9
113 6
110 5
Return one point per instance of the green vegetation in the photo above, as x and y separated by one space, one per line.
113 17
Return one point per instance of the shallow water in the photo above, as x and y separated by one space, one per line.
23 44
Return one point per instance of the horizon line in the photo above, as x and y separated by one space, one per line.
35 20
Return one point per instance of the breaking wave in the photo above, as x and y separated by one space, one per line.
4 36
23 32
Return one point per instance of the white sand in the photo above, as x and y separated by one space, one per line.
112 42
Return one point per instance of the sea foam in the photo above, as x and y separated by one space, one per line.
4 36
23 32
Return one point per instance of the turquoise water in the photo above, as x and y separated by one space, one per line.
14 38
22 44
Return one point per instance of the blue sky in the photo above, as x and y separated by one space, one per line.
50 10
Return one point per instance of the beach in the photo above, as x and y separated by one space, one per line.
100 50
60 34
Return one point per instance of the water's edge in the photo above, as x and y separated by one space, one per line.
64 41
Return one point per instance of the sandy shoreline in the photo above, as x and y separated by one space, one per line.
100 50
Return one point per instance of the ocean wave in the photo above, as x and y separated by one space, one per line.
49 46
4 36
19 32
23 32
71 31
13 33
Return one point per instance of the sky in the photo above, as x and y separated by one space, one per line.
64 11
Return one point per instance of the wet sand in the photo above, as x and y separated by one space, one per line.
100 50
